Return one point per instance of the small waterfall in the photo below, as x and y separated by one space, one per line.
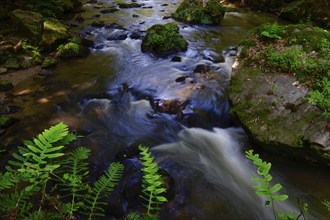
218 159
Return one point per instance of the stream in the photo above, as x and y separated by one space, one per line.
199 151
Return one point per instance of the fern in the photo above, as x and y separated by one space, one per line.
103 188
265 189
75 168
152 183
33 164
15 204
6 181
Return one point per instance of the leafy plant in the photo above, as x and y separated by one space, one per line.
272 31
321 96
34 165
152 184
264 187
102 188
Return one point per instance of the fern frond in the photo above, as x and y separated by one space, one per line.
18 201
102 188
75 171
6 181
152 182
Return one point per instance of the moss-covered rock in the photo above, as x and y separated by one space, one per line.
193 11
129 5
28 24
54 33
49 62
271 90
72 49
164 40
5 85
296 11
70 5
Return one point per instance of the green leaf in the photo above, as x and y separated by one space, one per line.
281 197
277 187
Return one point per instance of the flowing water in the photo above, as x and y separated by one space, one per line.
201 153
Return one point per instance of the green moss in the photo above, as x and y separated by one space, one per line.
54 34
72 49
304 51
164 40
49 62
4 119
192 11
129 5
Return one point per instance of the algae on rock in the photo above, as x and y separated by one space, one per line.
194 11
164 40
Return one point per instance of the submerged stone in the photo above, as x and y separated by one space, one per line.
49 62
5 85
164 40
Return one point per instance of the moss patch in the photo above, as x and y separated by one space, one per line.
164 40
193 11
300 50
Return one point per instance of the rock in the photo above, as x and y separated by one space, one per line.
109 10
86 42
164 5
3 70
49 62
12 63
164 40
114 26
214 57
79 18
281 121
137 34
193 11
72 49
130 5
28 24
118 35
70 5
295 11
180 79
176 59
27 62
147 7
98 24
169 106
167 17
5 85
201 68
54 34
135 16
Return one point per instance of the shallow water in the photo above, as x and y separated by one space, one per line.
207 163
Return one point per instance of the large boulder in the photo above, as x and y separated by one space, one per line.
164 40
195 11
54 34
282 72
28 24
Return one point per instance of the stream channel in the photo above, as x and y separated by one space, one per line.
200 152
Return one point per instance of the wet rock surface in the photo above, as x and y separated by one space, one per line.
273 109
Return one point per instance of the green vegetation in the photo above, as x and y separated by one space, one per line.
42 167
164 40
265 189
301 50
193 11
4 120
271 31
152 184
